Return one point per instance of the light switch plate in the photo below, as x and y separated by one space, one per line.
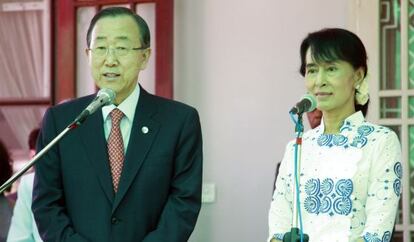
208 193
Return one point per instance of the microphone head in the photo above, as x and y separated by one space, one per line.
312 102
107 95
306 104
104 97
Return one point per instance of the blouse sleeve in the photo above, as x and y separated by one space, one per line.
21 226
384 189
280 213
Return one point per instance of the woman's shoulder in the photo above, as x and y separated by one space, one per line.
378 135
367 128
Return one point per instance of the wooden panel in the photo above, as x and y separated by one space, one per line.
165 45
64 57
24 102
109 2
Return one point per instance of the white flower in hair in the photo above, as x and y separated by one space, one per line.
361 93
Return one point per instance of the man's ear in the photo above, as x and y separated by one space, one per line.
145 55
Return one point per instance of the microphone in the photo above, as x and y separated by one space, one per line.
104 97
306 104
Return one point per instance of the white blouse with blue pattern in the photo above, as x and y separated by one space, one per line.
350 184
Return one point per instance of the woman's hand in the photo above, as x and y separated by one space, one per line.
275 240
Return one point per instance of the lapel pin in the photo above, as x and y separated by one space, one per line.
144 129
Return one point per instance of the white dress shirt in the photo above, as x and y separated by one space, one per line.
128 107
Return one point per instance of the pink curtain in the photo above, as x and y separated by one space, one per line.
21 68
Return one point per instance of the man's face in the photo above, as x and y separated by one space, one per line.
314 118
110 70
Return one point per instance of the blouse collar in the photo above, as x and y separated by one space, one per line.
354 120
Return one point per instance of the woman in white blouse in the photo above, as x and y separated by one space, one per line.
350 174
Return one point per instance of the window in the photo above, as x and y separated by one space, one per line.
25 90
390 45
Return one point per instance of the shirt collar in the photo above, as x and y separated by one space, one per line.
353 120
128 106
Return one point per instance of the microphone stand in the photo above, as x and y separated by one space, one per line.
295 235
32 161
104 97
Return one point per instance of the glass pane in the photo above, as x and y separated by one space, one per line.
397 236
410 107
84 82
411 170
396 129
116 5
399 217
390 44
16 123
147 77
411 45
390 107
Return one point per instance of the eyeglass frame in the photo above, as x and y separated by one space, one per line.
114 49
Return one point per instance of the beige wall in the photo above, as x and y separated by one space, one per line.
237 61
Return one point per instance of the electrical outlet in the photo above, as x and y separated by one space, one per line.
208 193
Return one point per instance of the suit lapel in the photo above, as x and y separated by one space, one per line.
143 132
92 133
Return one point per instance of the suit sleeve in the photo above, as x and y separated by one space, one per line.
48 196
181 210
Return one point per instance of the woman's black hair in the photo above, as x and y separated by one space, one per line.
333 44
143 28
6 170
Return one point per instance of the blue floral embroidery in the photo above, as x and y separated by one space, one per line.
365 130
342 205
323 198
386 237
312 187
368 237
346 126
340 140
326 204
278 236
325 139
397 187
359 141
331 140
344 187
312 204
398 169
397 181
327 186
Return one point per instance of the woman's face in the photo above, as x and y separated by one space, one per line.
333 84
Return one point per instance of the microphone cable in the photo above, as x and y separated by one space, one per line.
299 126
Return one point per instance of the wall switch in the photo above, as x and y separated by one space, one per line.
208 193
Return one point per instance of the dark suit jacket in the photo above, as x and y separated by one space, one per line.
159 194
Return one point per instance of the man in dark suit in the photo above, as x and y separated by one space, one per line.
133 170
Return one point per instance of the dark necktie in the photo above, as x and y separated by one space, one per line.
116 147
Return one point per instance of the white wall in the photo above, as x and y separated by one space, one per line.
237 62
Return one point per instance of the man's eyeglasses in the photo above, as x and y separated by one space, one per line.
118 51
